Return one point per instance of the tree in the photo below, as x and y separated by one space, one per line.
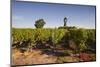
39 23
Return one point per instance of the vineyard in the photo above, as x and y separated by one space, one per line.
64 44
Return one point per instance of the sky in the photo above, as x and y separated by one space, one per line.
24 14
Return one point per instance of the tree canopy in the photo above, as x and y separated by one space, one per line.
39 23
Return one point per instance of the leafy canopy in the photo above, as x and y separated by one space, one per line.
39 23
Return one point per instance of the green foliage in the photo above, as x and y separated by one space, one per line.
38 34
66 27
91 40
73 27
83 38
82 46
62 27
58 34
22 34
39 23
78 35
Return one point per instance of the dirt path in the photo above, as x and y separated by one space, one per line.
32 57
36 56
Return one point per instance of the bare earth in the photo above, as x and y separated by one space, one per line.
31 57
37 57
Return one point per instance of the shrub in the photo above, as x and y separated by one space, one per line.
83 38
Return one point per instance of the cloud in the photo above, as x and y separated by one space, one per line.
17 17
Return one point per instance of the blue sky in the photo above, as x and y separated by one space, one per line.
24 14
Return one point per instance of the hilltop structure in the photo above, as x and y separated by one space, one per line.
65 22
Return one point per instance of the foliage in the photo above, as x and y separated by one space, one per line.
38 34
91 40
39 23
62 27
67 27
83 38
